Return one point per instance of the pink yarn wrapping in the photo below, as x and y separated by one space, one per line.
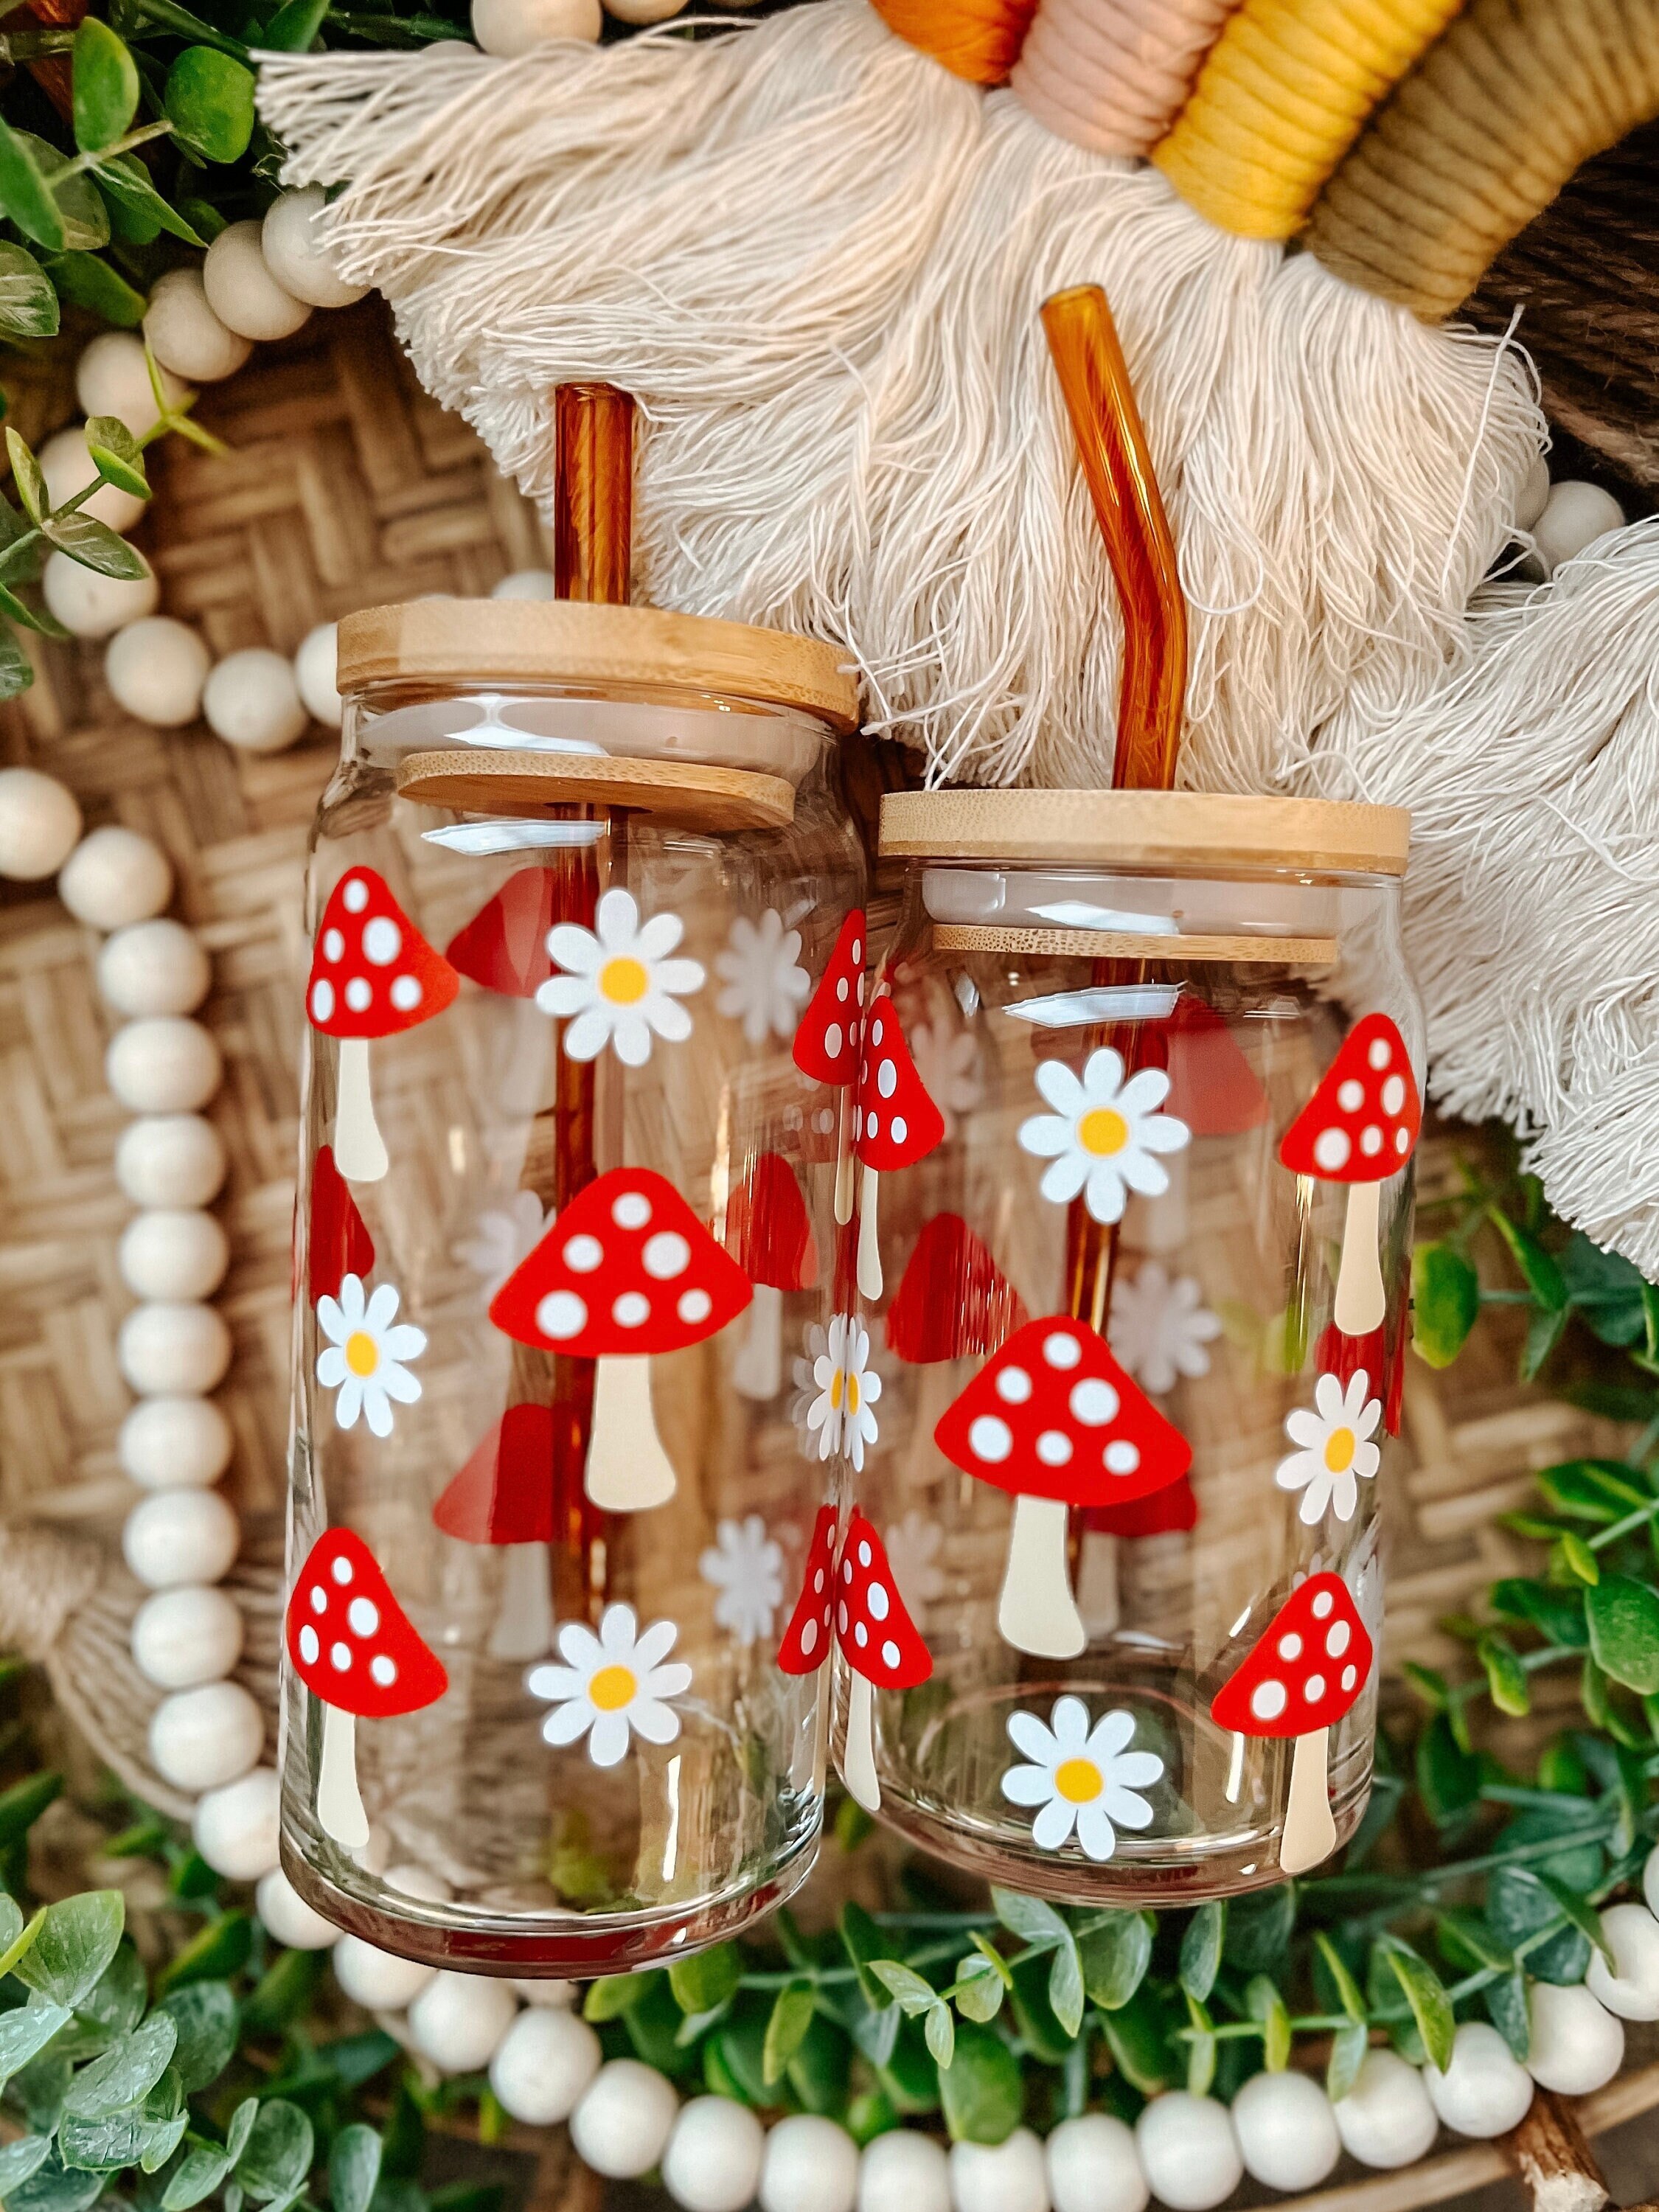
1113 74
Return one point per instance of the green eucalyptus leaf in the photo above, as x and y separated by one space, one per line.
1623 1631
117 456
1506 1680
915 1994
1348 2048
18 1943
241 2128
939 2029
1259 1928
863 1942
1544 1332
1538 1269
1445 1303
1606 1291
28 305
118 2001
1263 2001
145 2136
105 80
786 2029
54 2187
293 29
26 192
981 2088
1030 1918
1115 1958
1066 1986
616 1994
1577 1911
25 2032
96 546
18 2159
1137 2036
16 670
1202 2048
277 2156
67 1960
203 2167
1572 1558
124 180
820 2071
1201 1949
210 101
704 1982
1468 1944
126 2073
1506 2008
11 1920
980 1988
206 2016
26 475
1425 1994
354 2168
1448 1775
1557 1614
1347 1990
1593 1489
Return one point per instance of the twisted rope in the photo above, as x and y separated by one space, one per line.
978 41
1113 74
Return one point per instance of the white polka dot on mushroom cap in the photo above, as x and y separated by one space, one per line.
322 1000
341 1569
1350 1676
560 1314
340 1656
1370 1141
1121 1457
319 1598
666 1255
1093 1402
877 1601
889 1655
358 994
1379 1051
631 1309
1053 1448
309 1646
860 1634
832 1040
1013 1386
694 1306
355 896
1337 1639
990 1439
1314 1688
406 993
382 941
1322 1604
383 1669
1331 1150
333 944
1393 1094
887 1079
1402 1141
865 1553
809 1637
583 1254
840 1616
855 953
898 1128
364 1616
1290 1647
1351 1095
1062 1349
1268 1700
632 1210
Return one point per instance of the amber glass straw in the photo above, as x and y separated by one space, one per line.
1117 468
593 493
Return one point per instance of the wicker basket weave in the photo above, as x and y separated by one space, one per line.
347 486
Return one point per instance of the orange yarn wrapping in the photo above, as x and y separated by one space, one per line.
977 39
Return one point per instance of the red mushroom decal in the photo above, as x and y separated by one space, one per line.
878 1641
626 1271
338 1243
1359 1129
504 1496
1172 1511
504 946
810 1635
355 1650
372 974
952 1299
1306 1671
1212 1087
894 1123
1055 1420
826 1045
769 1234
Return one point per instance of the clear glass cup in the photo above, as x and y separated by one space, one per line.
565 1234
1126 1468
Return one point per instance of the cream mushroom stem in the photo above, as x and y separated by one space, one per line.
524 1625
360 1150
1309 1833
1097 1582
857 1763
1236 1769
339 1801
757 1370
870 1277
1037 1611
1360 1304
628 1469
844 1158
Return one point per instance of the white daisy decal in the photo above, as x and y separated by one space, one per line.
803 1373
612 1685
1082 1779
1159 1328
849 1386
1336 1452
503 1237
365 1355
765 985
745 1565
1103 1134
913 1546
947 1061
620 986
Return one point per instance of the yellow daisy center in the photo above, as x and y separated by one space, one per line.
362 1354
851 1393
1339 1448
623 981
613 1688
1103 1132
1078 1781
837 1387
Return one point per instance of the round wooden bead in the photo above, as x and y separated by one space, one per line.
1578 2044
1630 1988
177 1536
508 28
236 1829
644 11
1650 1881
173 1350
201 1738
296 258
252 701
185 334
242 291
621 2123
314 671
525 584
1286 2130
181 1638
112 377
1534 492
285 1915
1575 515
164 1064
154 968
1484 2091
1189 2151
174 1256
174 1443
713 2160
156 669
905 2171
458 2020
1005 2177
378 1980
1385 2118
91 605
1093 2166
40 822
114 877
811 2165
543 2064
553 1995
68 468
170 1159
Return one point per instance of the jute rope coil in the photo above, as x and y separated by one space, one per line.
1285 90
1481 135
1113 74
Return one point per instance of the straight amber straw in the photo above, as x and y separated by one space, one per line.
593 493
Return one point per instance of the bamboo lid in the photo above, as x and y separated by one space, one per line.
496 642
1145 829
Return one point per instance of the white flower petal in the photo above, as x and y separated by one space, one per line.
381 1310
1124 1806
1145 1091
1137 1769
1027 1786
586 1037
1057 1083
1300 1467
571 947
656 1724
331 1369
1063 1181
1109 1735
619 1628
655 1645
377 1409
1141 1172
581 1647
657 940
1315 1499
1103 1076
607 1743
1045 1138
1070 1723
567 1723
404 1341
1028 1734
1053 1824
350 1403
397 1382
556 1684
1328 1397
631 1041
1095 1832
1305 1429
1366 1461
669 1020
1164 1133
332 1321
681 977
1105 1197
616 920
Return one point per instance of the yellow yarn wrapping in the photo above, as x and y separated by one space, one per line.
1480 138
1285 92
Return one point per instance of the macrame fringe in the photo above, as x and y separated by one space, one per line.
1532 904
